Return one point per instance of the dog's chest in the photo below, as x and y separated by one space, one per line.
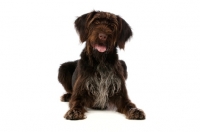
105 83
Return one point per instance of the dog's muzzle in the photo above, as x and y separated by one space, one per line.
101 46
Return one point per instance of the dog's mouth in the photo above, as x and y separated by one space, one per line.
100 48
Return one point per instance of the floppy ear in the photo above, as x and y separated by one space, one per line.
124 32
81 25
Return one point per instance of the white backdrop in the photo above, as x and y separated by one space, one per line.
163 60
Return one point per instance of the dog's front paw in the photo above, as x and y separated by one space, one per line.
135 113
74 114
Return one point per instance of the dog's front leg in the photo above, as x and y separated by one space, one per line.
77 102
77 109
125 106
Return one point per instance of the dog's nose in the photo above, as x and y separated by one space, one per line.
102 36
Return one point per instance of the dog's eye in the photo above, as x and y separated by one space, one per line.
112 26
97 22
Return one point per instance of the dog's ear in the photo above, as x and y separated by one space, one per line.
81 24
124 32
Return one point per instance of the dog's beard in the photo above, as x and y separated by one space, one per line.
99 56
100 48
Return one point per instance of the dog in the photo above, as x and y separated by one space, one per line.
97 80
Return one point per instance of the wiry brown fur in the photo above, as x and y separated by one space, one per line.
97 80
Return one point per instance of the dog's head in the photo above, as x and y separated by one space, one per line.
102 31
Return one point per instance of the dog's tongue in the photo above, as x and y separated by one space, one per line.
100 48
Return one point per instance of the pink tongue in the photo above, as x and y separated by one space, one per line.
100 48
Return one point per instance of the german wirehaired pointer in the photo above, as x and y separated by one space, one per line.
97 80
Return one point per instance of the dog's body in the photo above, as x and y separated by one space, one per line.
97 80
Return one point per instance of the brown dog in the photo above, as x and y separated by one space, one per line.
97 80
